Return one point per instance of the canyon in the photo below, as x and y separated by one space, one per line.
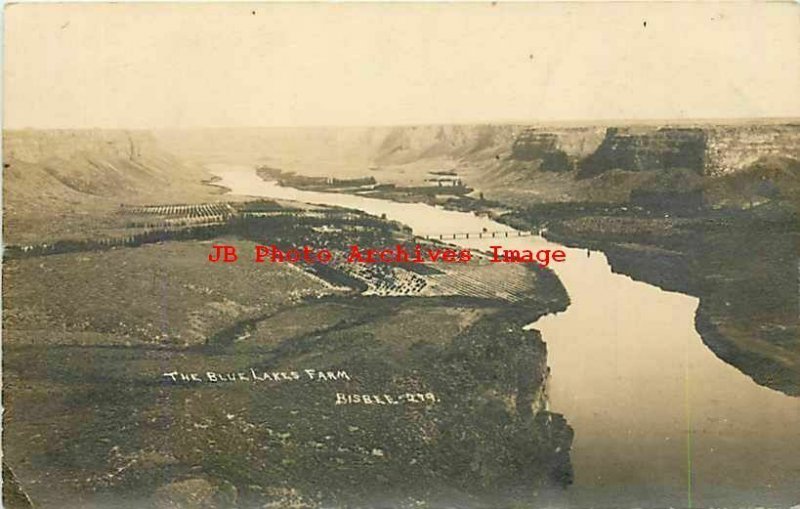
65 183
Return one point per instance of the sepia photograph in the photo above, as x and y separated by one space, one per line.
415 255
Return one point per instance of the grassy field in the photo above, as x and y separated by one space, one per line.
456 387
164 294
426 398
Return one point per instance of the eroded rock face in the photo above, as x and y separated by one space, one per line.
634 149
734 148
542 147
708 150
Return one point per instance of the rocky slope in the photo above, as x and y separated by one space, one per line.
55 182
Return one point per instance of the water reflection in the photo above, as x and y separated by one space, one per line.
658 418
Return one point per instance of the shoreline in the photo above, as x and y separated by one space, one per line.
661 266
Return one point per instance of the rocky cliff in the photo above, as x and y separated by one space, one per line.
642 149
407 144
707 150
543 148
513 163
730 149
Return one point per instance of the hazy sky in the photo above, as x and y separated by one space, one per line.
187 65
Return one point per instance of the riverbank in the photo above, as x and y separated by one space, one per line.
741 264
91 416
486 436
620 342
749 305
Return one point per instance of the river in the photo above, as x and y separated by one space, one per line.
659 420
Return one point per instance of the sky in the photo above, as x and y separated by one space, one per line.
229 65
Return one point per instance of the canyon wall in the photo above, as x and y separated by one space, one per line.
57 182
704 149
100 163
707 150
36 146
732 148
642 149
351 151
555 149
407 144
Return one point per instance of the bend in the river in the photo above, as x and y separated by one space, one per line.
659 419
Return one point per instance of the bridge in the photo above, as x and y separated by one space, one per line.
484 234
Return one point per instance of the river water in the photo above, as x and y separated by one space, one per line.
659 420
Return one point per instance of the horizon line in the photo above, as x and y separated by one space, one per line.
720 121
